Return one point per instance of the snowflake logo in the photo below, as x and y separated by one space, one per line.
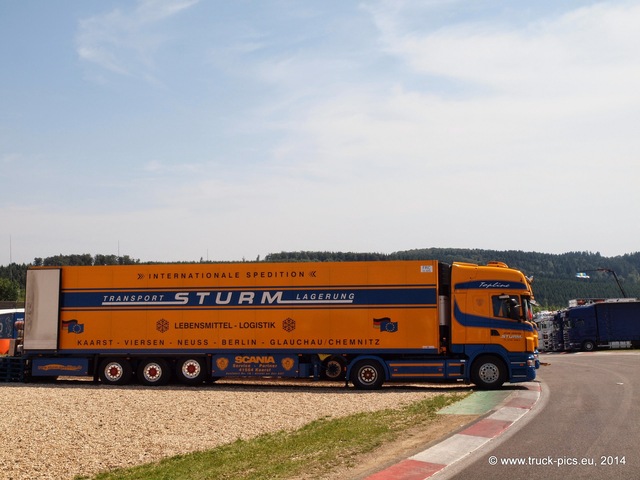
288 324
162 325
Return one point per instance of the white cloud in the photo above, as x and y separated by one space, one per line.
592 48
162 168
156 10
546 135
554 82
11 158
124 42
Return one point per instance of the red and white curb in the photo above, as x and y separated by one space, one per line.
432 460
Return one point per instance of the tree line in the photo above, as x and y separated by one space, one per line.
13 277
554 284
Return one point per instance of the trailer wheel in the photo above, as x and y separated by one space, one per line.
191 371
153 372
588 346
367 375
333 368
115 371
488 372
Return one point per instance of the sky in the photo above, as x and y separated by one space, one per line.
181 130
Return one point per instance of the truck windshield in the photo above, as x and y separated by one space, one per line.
527 308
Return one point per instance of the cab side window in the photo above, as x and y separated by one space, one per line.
505 306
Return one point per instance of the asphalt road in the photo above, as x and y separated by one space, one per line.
586 424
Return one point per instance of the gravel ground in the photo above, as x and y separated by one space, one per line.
57 431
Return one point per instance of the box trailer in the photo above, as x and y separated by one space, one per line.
362 322
609 324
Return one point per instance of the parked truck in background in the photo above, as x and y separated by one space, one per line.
363 322
557 334
608 324
11 323
545 324
550 330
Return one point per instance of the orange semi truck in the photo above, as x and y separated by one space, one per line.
363 322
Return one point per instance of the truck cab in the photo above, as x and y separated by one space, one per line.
491 323
581 328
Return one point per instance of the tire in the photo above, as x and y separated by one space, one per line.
115 371
588 346
367 375
191 371
153 372
488 372
333 368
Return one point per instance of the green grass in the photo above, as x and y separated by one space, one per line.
313 450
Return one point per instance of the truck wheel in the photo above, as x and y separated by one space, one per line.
115 371
191 371
488 372
367 375
153 372
333 368
588 346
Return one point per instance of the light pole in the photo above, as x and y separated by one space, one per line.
583 274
